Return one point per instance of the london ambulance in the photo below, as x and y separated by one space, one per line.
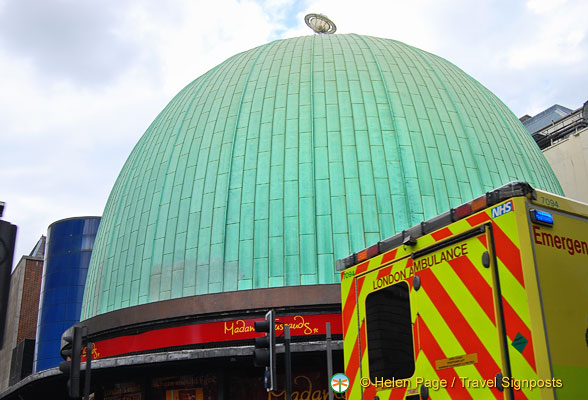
486 301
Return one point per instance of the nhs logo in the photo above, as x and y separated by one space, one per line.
502 209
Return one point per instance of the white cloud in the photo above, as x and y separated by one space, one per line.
559 36
545 6
204 34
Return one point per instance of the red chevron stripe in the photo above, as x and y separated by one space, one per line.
350 304
354 361
363 338
433 351
484 240
352 366
369 392
397 394
409 281
360 282
384 271
477 219
361 268
514 324
508 253
475 283
416 336
348 309
389 256
441 234
462 331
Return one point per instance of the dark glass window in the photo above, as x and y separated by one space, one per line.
389 333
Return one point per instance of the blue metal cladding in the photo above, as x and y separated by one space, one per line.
67 257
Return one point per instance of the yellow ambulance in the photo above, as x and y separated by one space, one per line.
486 301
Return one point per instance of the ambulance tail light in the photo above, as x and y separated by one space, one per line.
361 255
462 211
368 253
373 251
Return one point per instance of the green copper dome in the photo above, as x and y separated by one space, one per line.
266 169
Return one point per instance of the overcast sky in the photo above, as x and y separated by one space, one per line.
80 81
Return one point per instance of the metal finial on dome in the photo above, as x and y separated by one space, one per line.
320 23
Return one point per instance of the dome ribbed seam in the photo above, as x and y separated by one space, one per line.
396 132
230 170
463 125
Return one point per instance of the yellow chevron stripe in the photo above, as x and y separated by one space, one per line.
351 336
348 345
446 340
514 293
522 370
470 309
365 365
507 223
425 368
512 290
356 390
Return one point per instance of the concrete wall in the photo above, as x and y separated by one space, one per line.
569 160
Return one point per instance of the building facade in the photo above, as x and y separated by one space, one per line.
564 142
16 355
69 247
249 185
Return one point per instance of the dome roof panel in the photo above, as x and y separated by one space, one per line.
266 169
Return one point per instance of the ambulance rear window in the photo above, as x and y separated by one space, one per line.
389 333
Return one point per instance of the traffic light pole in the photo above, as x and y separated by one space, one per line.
265 349
72 353
329 359
288 362
88 371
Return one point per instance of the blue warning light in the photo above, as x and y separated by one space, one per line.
541 217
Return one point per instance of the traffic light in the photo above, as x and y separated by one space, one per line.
7 239
265 349
71 352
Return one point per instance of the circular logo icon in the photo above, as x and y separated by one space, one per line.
339 383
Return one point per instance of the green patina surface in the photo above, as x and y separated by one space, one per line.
284 158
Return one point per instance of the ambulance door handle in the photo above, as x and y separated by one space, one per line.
424 392
486 259
498 381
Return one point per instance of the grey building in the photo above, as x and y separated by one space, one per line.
562 135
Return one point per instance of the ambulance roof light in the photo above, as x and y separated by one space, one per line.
541 217
462 211
479 203
361 255
409 236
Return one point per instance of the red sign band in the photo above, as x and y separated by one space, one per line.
210 332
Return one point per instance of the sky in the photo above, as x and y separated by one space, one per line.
81 80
